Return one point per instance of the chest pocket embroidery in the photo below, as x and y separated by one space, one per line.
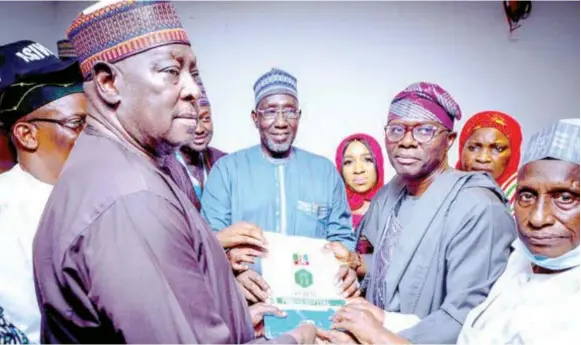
314 217
313 209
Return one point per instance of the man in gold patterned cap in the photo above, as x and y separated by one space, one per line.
121 254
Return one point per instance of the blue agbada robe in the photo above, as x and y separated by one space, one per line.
302 195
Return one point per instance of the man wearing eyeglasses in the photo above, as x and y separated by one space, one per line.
42 108
276 187
441 236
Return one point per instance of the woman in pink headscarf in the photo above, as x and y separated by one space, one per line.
360 163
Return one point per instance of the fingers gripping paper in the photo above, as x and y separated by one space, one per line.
302 277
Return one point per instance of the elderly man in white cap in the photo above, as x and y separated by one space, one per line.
537 298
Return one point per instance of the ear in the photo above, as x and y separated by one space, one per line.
107 77
254 116
300 114
451 139
24 135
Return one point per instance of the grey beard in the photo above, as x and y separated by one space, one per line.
278 148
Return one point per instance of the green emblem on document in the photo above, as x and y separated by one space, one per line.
303 278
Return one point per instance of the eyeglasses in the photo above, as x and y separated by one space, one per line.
271 114
422 133
76 123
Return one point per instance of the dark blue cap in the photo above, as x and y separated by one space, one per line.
31 61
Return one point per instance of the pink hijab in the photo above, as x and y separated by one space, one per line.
355 199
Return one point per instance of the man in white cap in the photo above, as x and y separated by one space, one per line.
536 300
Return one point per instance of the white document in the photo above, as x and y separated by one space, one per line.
302 276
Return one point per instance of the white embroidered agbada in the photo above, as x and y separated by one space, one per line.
22 201
527 308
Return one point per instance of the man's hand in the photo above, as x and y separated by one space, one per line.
363 304
255 289
347 280
305 333
351 259
334 337
241 233
257 311
239 257
363 326
358 322
341 252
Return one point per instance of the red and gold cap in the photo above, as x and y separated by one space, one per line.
111 31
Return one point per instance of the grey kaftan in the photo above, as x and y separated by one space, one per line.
447 256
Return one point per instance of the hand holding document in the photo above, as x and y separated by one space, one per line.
303 282
241 233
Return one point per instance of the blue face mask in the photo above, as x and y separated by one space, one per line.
568 260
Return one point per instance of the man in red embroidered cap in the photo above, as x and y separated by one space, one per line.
121 254
441 236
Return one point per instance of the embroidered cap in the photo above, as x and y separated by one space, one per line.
275 82
32 76
558 141
25 60
111 31
425 101
65 50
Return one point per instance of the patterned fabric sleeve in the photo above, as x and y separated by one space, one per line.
509 189
9 334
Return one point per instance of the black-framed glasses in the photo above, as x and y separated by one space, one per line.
421 132
271 114
75 123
